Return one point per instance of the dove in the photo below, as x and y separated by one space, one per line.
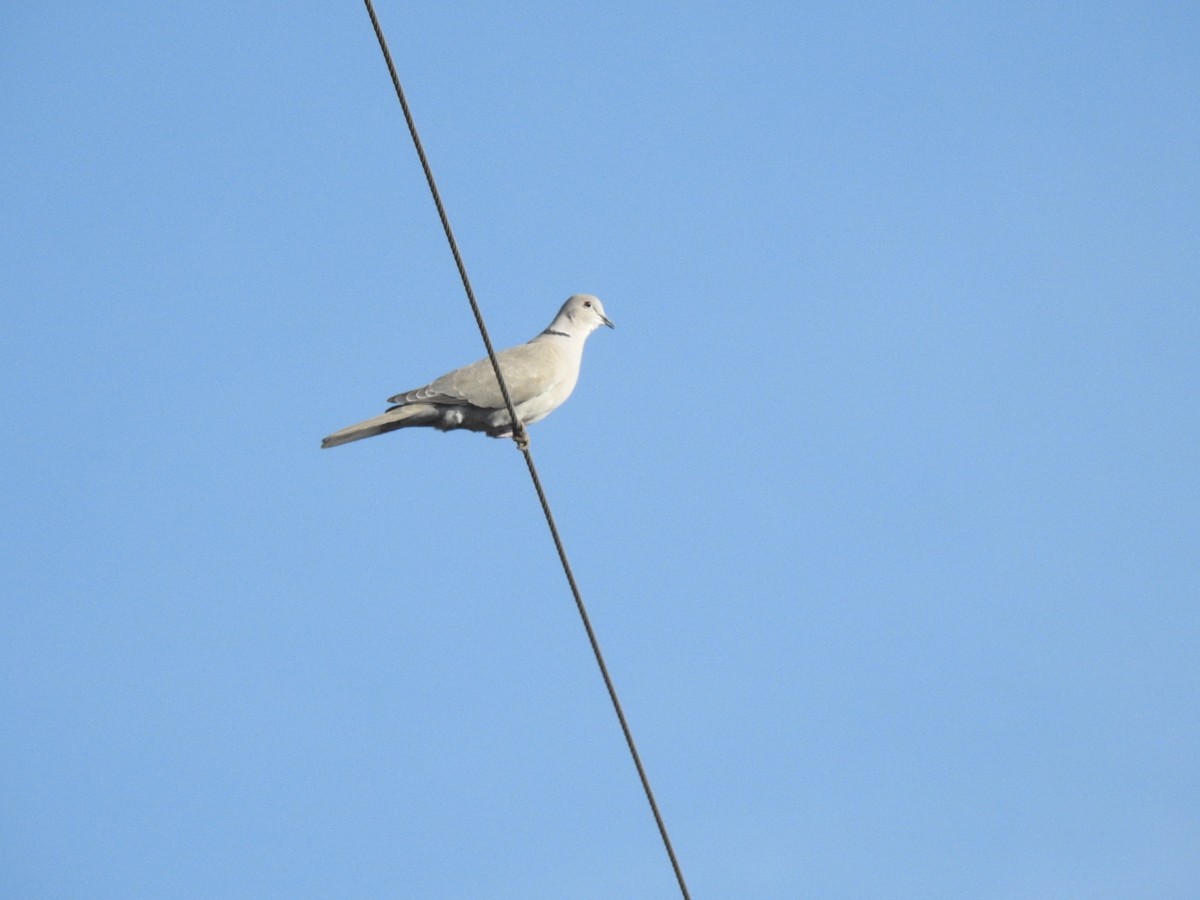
540 376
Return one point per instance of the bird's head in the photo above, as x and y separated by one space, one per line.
586 312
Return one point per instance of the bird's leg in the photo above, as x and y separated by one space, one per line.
521 436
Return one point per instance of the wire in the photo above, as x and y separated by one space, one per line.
522 442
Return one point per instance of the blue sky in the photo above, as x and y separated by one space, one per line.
883 495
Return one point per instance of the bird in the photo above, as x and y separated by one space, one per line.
540 375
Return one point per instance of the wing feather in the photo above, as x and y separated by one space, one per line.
525 369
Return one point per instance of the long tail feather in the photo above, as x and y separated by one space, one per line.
400 417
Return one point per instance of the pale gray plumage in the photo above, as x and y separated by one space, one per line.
540 375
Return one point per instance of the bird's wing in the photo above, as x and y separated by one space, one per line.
529 371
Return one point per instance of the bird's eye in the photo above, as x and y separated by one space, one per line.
587 303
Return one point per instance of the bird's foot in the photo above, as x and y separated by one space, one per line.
522 440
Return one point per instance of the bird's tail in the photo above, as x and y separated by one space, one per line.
396 417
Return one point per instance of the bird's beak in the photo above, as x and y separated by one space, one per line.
608 322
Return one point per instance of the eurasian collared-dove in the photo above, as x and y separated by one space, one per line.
540 375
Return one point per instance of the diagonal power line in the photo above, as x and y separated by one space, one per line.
523 443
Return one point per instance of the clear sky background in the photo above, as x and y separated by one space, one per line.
884 495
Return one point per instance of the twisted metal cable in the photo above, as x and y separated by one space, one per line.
522 442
